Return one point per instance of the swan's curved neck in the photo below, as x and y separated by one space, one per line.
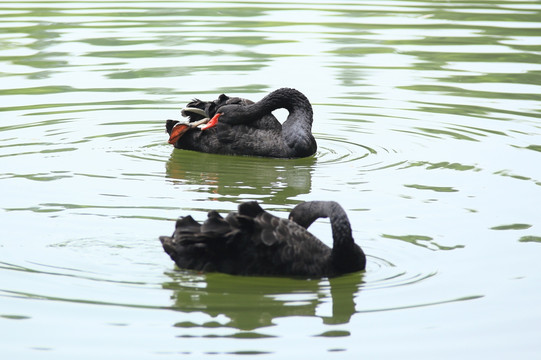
306 213
346 256
297 129
341 229
290 99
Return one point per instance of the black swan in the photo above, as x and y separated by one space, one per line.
236 126
254 242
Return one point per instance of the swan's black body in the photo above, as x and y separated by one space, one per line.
254 242
247 128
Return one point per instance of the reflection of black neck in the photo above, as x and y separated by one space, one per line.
343 291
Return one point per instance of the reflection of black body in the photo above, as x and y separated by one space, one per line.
274 180
247 128
254 302
254 242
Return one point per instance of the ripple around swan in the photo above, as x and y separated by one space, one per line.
251 303
385 274
333 150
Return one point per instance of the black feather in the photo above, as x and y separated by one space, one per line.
248 128
254 242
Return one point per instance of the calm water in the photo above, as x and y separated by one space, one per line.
428 120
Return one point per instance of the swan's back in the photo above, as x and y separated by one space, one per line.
250 242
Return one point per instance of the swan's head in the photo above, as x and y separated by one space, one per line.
198 112
228 114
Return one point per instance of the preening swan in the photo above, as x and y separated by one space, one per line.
254 242
235 126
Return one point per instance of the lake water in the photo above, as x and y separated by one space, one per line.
428 120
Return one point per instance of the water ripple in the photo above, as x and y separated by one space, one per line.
385 274
332 150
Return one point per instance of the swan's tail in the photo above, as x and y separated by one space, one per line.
198 246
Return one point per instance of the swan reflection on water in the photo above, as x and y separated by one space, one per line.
251 303
274 179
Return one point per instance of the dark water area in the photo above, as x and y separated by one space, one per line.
428 123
